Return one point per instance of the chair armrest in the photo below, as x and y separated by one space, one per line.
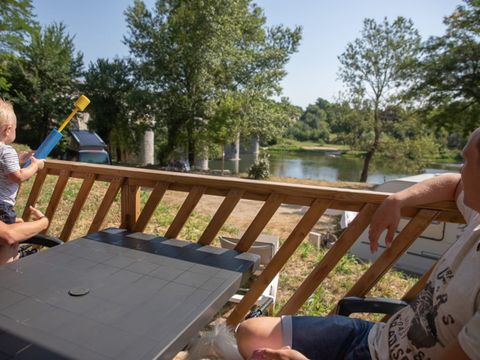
355 304
43 240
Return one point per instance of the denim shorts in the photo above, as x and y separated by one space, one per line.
7 214
330 337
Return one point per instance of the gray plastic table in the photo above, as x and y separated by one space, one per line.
114 295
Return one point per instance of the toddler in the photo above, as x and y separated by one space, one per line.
11 175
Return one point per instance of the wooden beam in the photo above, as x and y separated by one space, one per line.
105 205
399 245
77 207
34 192
56 196
222 214
155 197
258 224
187 208
330 260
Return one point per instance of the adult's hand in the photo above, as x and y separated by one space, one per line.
285 353
37 214
387 217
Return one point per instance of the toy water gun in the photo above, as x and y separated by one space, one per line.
56 134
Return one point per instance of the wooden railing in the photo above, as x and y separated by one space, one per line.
129 182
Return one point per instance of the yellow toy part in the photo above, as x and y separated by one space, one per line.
79 105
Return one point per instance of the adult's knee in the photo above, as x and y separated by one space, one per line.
257 333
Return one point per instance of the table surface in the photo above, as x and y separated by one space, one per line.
138 297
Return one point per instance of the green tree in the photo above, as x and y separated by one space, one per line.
449 72
16 24
313 123
119 108
44 83
204 58
374 68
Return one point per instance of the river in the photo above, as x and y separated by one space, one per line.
323 167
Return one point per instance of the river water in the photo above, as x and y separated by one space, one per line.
322 167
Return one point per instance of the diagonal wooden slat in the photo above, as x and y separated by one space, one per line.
34 192
188 205
107 202
77 206
258 224
401 243
295 238
331 258
222 214
411 294
56 196
155 197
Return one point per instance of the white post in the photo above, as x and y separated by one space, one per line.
201 160
147 153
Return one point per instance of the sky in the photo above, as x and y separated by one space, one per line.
328 26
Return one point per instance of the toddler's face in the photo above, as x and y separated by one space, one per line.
10 132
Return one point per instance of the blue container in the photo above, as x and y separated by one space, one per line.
47 145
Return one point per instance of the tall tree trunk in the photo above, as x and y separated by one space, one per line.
366 164
191 147
376 143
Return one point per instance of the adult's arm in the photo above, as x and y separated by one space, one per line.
387 216
13 233
454 351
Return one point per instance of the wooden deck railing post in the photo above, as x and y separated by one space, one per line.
130 205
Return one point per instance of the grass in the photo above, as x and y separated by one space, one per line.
290 145
302 262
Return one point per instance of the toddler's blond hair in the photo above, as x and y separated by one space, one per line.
7 115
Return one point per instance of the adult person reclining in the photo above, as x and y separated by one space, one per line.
12 234
443 322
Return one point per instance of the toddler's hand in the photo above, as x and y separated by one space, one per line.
24 156
39 162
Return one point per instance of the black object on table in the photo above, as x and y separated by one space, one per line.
114 295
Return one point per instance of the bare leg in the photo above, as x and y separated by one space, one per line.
258 333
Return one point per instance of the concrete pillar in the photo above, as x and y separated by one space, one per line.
232 151
147 153
255 147
201 159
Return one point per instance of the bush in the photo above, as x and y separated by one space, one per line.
260 169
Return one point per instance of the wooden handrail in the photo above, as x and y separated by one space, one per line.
130 182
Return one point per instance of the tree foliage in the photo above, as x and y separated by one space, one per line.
205 58
120 109
449 72
314 123
16 24
44 83
374 67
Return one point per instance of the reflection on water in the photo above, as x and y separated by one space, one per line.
318 166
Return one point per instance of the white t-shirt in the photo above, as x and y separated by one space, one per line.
8 164
448 308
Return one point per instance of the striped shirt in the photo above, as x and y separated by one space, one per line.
8 164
